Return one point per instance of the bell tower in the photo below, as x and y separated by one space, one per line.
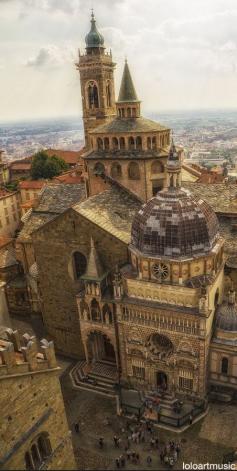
96 69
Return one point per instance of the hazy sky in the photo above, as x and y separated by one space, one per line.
182 53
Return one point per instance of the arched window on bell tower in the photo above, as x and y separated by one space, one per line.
108 94
93 95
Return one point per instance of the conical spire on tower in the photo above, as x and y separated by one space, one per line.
94 267
127 91
128 104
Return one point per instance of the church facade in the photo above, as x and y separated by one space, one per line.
132 276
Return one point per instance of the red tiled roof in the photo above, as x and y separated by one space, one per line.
20 166
69 178
71 157
32 184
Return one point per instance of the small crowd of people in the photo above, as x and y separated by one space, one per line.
143 432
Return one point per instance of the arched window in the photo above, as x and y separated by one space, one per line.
224 365
115 143
80 264
108 94
119 112
134 112
106 143
133 171
153 143
216 299
122 143
28 461
131 143
95 311
157 167
148 143
35 456
139 143
93 96
122 112
39 451
116 170
129 113
99 143
99 169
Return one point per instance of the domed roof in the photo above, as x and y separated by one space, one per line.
94 38
226 315
174 224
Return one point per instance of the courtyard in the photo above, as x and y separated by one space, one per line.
205 441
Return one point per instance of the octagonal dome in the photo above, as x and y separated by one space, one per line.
174 224
226 316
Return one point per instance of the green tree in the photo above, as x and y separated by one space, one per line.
44 166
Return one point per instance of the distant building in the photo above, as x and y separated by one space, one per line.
29 191
34 429
20 169
10 212
4 170
72 158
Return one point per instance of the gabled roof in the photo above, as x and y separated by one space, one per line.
113 210
54 200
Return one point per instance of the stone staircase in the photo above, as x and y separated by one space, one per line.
99 377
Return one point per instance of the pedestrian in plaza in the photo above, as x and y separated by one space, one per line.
117 462
76 427
115 441
129 454
149 460
122 461
138 457
162 455
191 419
101 442
178 449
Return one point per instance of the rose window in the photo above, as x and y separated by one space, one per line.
160 270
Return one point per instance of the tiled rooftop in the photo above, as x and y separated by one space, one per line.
129 125
112 210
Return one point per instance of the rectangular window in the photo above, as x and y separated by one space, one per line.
7 221
0 223
6 210
4 202
27 196
186 383
138 372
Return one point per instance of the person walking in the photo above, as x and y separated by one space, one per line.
101 443
149 460
76 427
191 419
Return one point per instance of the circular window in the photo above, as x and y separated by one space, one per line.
160 270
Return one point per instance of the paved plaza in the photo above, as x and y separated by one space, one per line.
206 441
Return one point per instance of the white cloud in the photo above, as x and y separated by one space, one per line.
51 56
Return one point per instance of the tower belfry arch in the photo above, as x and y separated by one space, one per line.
96 69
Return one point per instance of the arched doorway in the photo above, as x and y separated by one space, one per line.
161 380
100 348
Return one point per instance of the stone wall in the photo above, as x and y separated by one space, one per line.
54 246
31 404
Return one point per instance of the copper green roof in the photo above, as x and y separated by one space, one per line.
129 125
127 91
94 38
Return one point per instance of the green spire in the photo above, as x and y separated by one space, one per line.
94 38
127 91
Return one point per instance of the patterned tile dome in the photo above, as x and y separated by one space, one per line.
226 315
174 224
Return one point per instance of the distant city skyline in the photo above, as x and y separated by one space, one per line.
182 55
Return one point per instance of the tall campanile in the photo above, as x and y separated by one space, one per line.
96 68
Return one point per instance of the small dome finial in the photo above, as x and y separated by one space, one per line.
94 39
